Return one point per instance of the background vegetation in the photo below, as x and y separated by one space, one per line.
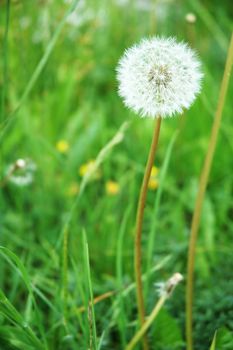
59 120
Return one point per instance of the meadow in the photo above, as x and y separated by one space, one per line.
72 162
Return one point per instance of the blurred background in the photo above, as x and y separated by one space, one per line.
59 109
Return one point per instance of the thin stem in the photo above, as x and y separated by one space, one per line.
201 192
147 324
5 59
65 273
4 74
139 222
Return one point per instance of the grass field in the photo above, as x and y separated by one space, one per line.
66 254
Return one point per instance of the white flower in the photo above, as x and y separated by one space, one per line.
159 77
21 173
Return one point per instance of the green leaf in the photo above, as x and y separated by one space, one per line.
224 340
167 332
213 344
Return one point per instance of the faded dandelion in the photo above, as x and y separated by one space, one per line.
166 288
159 77
20 173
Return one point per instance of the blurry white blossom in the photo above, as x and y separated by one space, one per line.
21 173
159 7
144 5
42 32
159 77
83 14
190 17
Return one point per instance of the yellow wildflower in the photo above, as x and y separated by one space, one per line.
88 167
112 188
153 181
154 171
85 168
62 146
153 184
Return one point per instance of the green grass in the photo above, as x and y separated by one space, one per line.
58 82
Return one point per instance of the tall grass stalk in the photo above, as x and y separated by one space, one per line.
122 321
139 222
91 305
166 289
65 273
5 59
201 193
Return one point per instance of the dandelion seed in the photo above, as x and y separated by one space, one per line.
62 146
112 188
159 77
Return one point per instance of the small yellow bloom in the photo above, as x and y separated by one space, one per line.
86 168
73 189
112 188
154 171
62 146
153 184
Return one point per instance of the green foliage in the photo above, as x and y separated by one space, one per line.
57 82
167 333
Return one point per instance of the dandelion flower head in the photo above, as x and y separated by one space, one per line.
112 188
159 77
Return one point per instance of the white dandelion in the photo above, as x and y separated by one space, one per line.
21 173
159 77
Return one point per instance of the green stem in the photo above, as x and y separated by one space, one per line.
147 324
201 193
65 273
139 222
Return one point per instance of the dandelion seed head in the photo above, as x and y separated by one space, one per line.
166 288
21 173
20 163
159 77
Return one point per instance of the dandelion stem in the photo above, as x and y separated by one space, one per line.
201 192
147 324
139 222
